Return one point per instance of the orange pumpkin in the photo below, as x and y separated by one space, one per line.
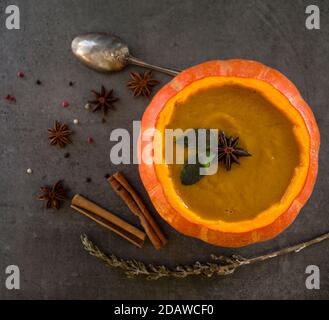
268 224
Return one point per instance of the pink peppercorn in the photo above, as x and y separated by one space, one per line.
21 74
90 140
65 104
10 98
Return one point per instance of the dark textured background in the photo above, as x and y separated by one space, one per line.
45 244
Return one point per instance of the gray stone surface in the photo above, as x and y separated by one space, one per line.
45 244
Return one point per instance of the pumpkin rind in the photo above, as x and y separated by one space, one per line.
235 68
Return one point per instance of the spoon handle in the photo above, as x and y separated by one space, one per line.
141 63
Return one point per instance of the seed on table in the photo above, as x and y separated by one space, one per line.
10 98
65 104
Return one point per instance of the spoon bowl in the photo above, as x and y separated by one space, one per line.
101 51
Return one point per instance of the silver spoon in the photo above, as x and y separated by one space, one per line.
106 53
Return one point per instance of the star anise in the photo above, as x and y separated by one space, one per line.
142 84
53 195
59 135
104 100
228 150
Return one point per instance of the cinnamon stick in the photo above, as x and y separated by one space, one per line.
108 220
126 192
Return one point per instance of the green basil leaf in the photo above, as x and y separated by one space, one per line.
190 174
209 156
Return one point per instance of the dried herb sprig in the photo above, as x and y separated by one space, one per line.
224 265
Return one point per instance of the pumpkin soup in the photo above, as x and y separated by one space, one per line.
239 109
238 204
260 180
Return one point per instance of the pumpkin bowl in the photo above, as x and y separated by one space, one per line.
260 198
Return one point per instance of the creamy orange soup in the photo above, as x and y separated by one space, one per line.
265 131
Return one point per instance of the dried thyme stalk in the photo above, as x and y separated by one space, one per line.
224 265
